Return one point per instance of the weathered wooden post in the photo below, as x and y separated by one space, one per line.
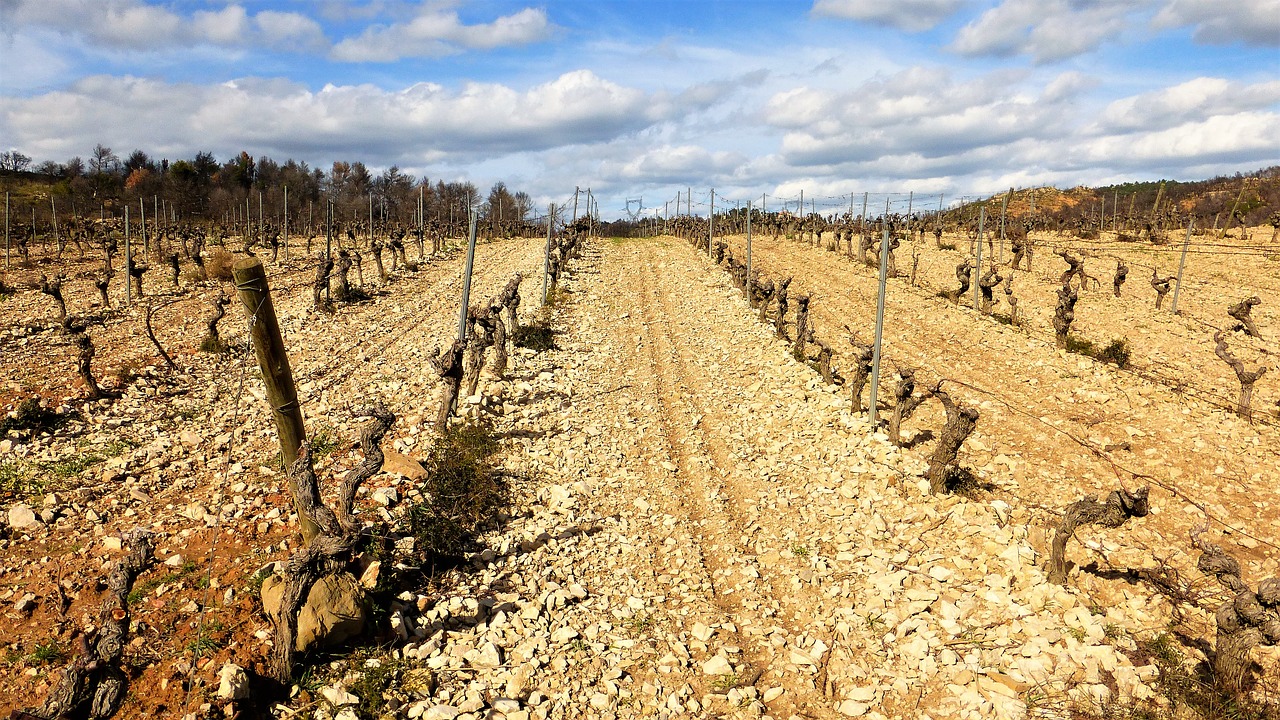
284 223
1181 264
6 231
875 357
273 361
142 213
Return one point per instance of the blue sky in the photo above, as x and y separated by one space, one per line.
640 98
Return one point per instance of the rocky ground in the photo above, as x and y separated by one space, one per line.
700 527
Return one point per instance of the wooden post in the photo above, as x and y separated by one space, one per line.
142 212
546 256
310 228
6 231
264 330
875 354
284 223
1181 264
576 190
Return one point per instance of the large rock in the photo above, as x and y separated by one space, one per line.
22 517
332 614
233 682
403 465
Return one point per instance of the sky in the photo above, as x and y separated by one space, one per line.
641 99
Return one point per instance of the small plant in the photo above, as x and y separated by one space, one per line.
72 466
1117 352
374 681
116 447
46 653
538 336
15 480
725 683
205 643
800 551
640 623
1079 346
323 442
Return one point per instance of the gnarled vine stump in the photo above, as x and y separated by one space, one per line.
1162 286
802 326
323 270
986 286
905 404
1244 621
779 321
1247 378
449 366
863 355
329 551
53 288
1243 311
93 685
1119 506
1064 314
1122 273
961 420
964 274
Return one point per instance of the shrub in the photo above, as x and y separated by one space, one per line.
538 336
462 489
218 266
1117 351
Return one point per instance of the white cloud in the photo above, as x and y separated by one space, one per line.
278 117
1256 22
436 32
922 111
1047 30
668 164
1242 138
1191 101
136 25
909 15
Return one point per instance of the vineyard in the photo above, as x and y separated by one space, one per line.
982 459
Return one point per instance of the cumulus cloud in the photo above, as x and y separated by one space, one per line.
436 31
1047 30
137 25
676 164
909 15
922 111
284 118
1191 101
1256 22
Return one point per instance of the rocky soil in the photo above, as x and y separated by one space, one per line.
700 527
